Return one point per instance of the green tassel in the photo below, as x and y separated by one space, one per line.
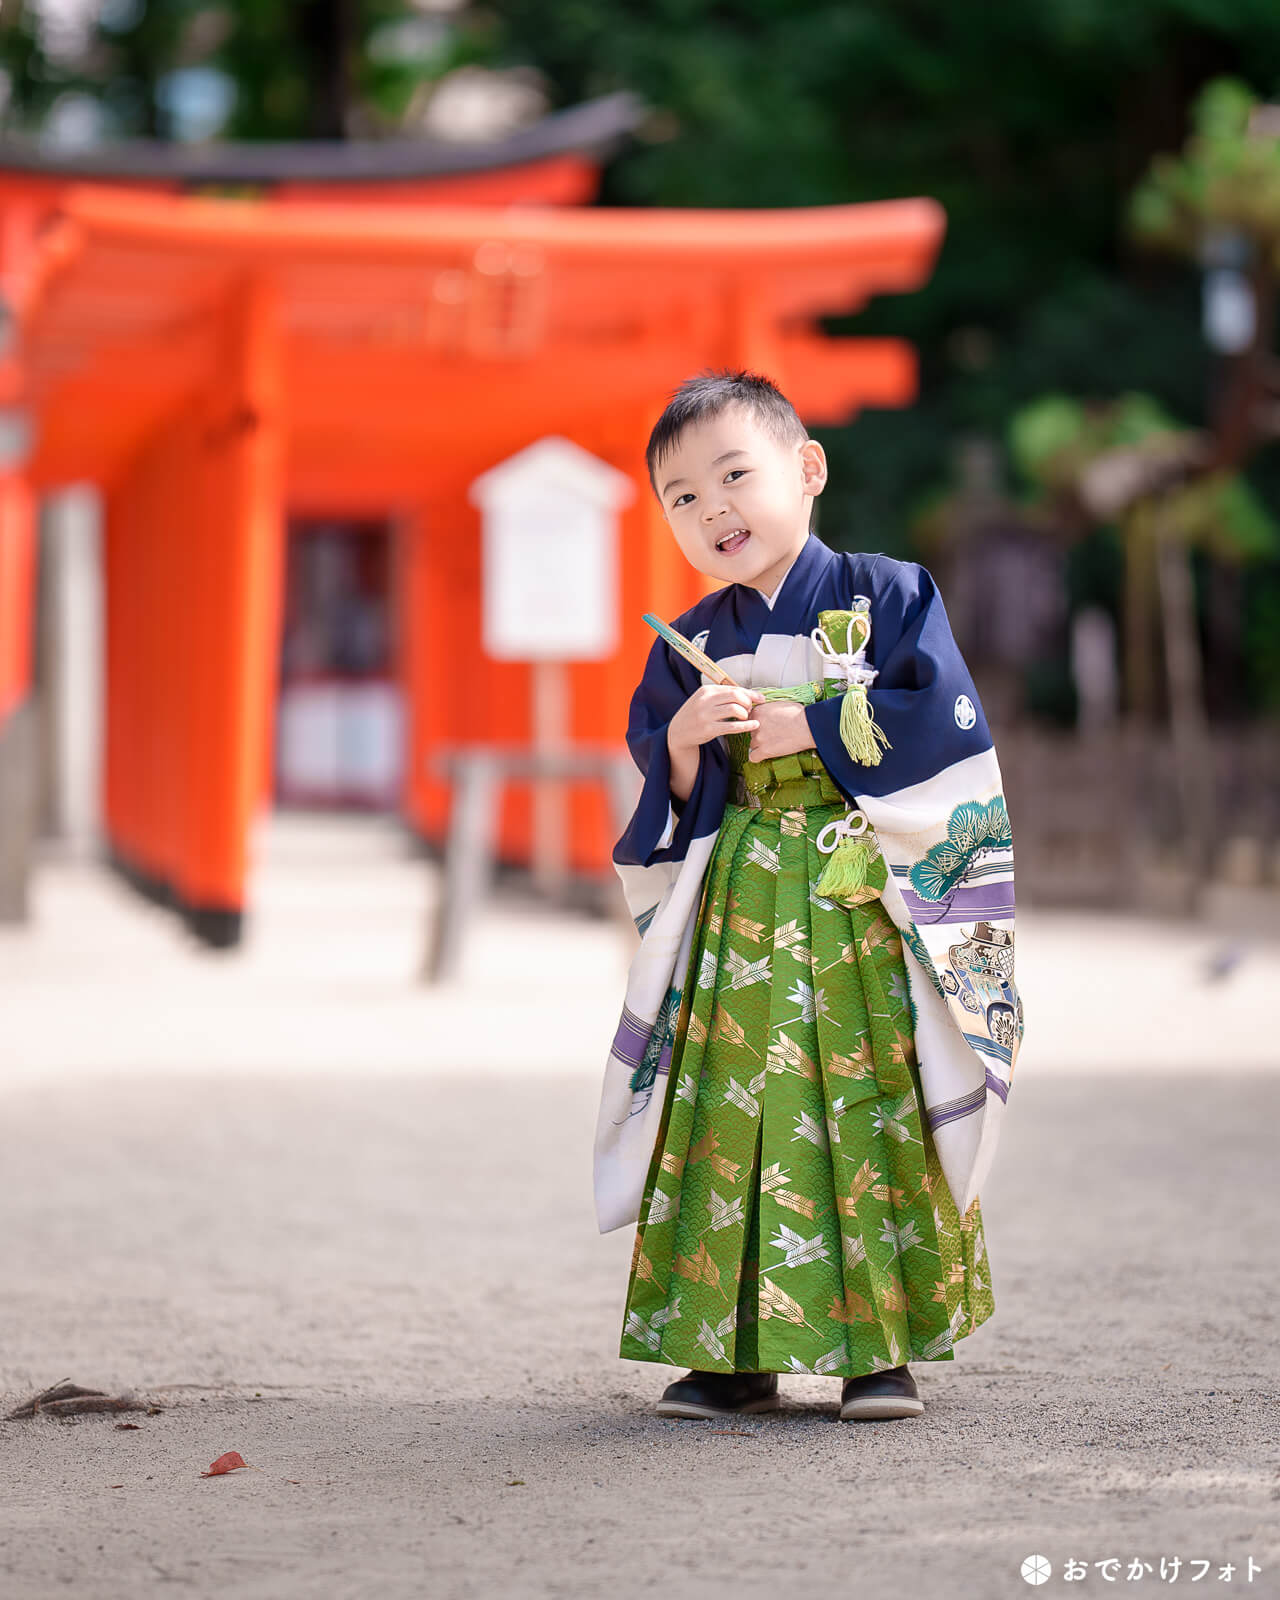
845 874
862 735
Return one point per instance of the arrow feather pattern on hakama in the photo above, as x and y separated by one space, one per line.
798 1251
723 1212
785 1055
736 1095
808 1128
812 1002
761 854
712 1338
743 973
789 935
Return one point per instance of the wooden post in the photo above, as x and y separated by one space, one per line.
19 745
1192 747
70 545
550 734
241 547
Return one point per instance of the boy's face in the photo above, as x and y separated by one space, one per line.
738 501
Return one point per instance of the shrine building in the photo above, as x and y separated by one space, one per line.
282 368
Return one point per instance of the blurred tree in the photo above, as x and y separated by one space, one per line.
266 69
1168 490
1031 124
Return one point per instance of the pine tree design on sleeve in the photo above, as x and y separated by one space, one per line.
662 1034
973 830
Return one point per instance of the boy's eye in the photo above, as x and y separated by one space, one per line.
733 472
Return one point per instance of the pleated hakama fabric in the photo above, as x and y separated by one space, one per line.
795 1217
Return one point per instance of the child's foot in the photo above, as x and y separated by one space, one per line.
891 1393
719 1394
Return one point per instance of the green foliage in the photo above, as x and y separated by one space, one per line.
1227 175
1054 439
1031 125
1262 641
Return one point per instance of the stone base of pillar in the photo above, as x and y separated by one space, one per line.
221 928
19 799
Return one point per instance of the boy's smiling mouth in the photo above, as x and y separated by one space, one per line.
729 543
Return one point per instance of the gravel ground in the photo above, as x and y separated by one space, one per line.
375 1272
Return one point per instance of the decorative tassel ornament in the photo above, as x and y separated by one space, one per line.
844 878
845 874
833 638
861 734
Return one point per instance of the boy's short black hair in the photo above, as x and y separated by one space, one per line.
707 395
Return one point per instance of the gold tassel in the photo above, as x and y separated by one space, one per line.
862 735
845 875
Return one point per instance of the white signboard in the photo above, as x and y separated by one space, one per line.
551 554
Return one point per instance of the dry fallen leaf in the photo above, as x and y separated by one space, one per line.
225 1463
125 1426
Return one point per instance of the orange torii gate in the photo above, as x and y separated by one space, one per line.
213 364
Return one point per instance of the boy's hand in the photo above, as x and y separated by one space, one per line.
711 710
782 730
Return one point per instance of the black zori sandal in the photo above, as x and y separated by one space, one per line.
719 1394
891 1393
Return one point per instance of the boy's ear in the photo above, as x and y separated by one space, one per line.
813 466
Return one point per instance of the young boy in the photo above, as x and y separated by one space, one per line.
805 1089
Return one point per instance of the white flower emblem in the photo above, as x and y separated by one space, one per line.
966 716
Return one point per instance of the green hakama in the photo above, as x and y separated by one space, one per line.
795 1217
